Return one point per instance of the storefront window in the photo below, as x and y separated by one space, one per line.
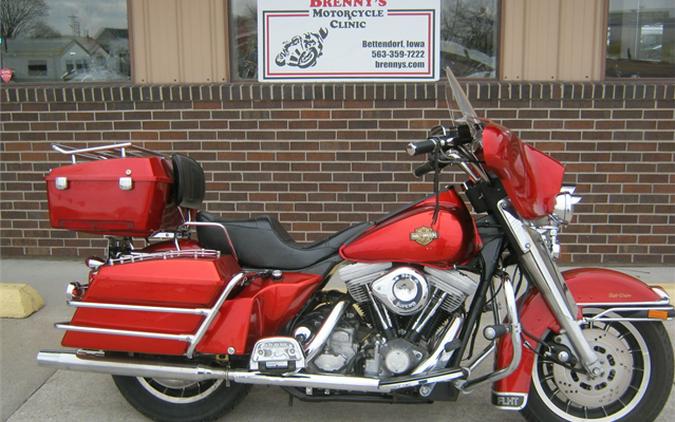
65 40
468 38
641 39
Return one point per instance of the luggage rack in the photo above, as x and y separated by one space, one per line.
105 152
190 253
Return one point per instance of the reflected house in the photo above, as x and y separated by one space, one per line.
115 41
40 59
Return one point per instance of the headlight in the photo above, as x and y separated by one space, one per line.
564 204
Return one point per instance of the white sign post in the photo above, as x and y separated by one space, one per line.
348 40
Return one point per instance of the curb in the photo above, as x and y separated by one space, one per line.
19 300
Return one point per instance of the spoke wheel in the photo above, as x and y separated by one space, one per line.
637 361
179 391
165 399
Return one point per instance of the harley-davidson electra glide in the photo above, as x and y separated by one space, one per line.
186 326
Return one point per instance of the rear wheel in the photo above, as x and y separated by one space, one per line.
165 399
638 375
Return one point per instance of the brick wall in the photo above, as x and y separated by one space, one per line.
322 156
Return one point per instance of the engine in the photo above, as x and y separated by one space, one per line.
405 290
389 329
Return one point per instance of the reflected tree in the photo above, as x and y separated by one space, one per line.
19 17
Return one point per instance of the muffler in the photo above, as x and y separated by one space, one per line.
96 362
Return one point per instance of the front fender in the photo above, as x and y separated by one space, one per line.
588 286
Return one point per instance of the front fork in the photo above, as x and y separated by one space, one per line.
544 274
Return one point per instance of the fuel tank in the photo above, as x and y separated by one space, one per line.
411 236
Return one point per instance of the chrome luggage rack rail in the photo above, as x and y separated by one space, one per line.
186 253
105 152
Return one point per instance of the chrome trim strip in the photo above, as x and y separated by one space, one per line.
115 332
659 303
601 316
139 308
212 314
662 293
315 346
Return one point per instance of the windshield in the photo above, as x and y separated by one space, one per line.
468 113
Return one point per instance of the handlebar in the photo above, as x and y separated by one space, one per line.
426 168
453 137
447 140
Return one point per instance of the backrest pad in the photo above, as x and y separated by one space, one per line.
188 185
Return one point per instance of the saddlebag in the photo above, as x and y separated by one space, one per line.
185 286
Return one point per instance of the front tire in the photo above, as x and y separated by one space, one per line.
176 400
638 377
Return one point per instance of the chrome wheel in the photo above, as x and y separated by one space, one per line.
179 391
575 396
174 400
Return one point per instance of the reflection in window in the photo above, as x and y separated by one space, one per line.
65 40
468 38
641 38
37 68
244 39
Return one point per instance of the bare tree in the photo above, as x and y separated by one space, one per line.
42 29
19 16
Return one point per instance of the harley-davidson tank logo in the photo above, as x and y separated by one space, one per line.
424 235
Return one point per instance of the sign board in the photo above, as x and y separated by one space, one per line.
348 40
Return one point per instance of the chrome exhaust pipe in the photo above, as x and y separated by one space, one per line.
95 362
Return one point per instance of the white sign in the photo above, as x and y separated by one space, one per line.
348 40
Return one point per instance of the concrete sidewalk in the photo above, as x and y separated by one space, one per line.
29 392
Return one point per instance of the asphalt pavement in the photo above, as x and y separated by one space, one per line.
32 393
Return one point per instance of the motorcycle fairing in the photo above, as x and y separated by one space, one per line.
588 286
531 178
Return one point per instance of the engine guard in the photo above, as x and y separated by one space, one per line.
591 287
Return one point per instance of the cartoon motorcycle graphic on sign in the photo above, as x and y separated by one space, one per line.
303 50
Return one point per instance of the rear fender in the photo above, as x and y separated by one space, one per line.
590 287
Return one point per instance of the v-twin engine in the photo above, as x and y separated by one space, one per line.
406 290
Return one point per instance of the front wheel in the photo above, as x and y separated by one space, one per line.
638 362
163 399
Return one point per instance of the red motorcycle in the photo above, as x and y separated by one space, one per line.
186 326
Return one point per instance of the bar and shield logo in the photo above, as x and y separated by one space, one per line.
424 235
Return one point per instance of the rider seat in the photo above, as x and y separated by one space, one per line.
262 242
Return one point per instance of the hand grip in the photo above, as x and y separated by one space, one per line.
421 147
423 169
